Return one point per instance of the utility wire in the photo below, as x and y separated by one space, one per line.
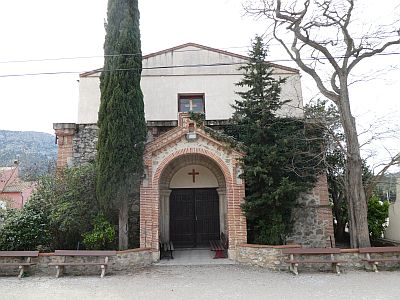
173 66
134 54
123 69
162 67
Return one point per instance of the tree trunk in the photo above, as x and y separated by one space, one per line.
359 210
123 226
359 234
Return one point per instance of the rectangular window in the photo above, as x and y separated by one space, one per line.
194 103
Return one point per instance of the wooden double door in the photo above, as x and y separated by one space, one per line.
194 217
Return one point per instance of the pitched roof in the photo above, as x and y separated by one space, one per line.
18 186
176 48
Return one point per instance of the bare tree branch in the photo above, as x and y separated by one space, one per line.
372 53
378 177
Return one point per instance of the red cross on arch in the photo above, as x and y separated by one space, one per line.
193 173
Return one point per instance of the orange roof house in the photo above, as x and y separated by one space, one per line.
14 192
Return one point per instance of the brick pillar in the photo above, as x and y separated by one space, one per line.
325 210
64 135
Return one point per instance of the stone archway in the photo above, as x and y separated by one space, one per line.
179 176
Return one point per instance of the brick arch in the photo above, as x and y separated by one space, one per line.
151 192
190 159
163 167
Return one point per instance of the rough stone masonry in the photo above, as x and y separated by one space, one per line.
312 216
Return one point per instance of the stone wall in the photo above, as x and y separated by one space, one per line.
271 257
312 218
124 262
84 149
84 143
265 256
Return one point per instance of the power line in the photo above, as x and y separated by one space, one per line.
174 66
40 73
123 69
134 54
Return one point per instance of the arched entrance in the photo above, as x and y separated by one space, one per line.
192 204
186 157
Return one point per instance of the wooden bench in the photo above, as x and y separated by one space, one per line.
82 253
375 261
166 250
22 255
219 246
327 253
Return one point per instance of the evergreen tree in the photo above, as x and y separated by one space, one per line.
280 161
121 116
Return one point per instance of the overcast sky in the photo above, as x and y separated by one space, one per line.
54 29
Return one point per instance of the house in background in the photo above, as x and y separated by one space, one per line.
192 190
14 192
393 230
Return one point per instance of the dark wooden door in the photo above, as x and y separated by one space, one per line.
182 218
194 217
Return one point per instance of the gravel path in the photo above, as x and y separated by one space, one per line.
206 282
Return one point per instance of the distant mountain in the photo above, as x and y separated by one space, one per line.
36 152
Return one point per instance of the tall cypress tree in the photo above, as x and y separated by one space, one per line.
280 159
121 116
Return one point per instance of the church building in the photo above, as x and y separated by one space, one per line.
191 190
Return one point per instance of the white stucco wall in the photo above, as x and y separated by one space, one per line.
89 99
205 178
393 230
215 78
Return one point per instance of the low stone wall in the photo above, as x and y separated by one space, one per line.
271 257
124 262
265 256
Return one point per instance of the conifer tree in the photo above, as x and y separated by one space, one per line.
280 161
122 128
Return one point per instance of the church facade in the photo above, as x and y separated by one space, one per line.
191 190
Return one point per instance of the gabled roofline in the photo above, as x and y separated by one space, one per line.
176 48
88 73
217 51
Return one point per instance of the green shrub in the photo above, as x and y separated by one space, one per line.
56 215
73 205
378 212
27 229
102 236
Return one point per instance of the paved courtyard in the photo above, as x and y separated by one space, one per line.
206 282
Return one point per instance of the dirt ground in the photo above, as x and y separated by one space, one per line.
206 282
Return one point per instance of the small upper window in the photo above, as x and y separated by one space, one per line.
194 103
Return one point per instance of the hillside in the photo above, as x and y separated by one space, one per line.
36 152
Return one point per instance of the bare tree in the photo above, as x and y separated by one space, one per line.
324 31
325 115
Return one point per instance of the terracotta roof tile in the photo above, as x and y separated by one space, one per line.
18 186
